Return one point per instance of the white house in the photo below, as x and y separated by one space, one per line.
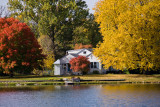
62 66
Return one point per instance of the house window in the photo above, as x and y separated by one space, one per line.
69 67
84 52
94 64
91 64
64 67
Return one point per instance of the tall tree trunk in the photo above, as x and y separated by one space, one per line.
52 36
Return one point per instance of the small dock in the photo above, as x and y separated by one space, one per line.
72 81
68 82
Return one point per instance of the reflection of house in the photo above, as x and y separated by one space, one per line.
62 66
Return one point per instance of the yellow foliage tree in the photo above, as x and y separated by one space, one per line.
48 62
47 47
131 34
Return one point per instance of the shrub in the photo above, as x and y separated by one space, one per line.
80 63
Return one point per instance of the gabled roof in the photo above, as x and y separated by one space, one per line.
71 54
65 59
89 55
75 55
57 62
77 51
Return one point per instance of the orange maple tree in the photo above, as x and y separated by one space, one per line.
19 49
80 63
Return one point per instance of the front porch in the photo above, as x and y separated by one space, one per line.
66 69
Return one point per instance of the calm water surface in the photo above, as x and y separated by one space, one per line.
122 95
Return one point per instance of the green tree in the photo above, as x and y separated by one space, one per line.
47 47
131 34
55 18
93 31
88 33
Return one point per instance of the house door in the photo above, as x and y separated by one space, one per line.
69 67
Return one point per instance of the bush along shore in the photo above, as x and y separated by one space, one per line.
86 79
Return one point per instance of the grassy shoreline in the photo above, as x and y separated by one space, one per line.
54 80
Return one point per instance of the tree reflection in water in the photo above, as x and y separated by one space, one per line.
122 95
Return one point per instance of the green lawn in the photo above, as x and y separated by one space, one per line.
28 78
127 77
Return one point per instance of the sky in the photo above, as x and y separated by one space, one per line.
90 3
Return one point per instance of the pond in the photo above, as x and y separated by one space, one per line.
110 95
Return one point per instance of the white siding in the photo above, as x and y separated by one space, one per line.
92 58
57 70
